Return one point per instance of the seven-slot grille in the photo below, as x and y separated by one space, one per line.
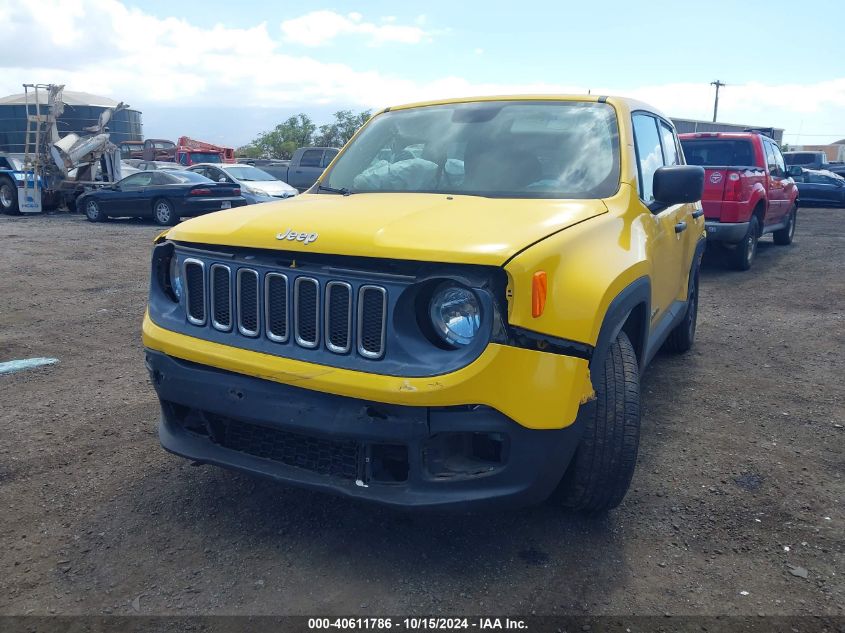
294 308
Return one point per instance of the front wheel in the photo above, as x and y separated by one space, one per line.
93 211
601 471
9 197
163 213
783 237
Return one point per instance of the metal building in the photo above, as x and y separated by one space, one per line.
81 110
686 126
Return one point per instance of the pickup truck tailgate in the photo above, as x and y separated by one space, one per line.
714 191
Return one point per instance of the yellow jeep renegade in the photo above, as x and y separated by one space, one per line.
456 314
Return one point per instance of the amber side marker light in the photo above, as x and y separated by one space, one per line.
538 293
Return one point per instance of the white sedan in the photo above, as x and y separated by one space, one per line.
256 185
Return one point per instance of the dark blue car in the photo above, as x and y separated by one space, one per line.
164 196
820 187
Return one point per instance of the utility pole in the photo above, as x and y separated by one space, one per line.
718 85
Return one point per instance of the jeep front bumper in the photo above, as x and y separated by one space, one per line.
409 456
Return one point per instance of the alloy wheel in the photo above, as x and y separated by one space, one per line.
163 212
92 210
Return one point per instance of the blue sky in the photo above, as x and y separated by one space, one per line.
226 70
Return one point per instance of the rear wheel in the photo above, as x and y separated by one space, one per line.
163 213
784 236
601 471
743 254
93 211
9 197
682 336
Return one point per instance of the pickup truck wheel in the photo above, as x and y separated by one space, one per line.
682 336
743 254
784 236
163 213
601 470
8 197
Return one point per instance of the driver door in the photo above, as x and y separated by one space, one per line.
129 198
667 229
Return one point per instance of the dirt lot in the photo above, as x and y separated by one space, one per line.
740 473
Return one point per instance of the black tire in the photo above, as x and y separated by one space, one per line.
72 201
682 336
742 256
601 470
9 197
93 210
784 236
163 212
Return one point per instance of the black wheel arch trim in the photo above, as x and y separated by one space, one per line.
697 256
637 293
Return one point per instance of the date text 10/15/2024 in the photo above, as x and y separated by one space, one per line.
417 624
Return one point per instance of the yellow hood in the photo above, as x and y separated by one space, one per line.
424 227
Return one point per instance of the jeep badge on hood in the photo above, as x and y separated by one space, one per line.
305 238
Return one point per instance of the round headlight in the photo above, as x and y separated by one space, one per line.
455 314
175 278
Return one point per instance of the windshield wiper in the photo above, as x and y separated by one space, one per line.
342 191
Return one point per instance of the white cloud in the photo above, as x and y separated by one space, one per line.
322 27
105 48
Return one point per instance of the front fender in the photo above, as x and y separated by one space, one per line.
587 266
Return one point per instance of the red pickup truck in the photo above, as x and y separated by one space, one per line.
747 191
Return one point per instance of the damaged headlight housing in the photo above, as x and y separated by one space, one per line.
175 277
455 314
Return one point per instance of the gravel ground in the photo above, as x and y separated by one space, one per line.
735 508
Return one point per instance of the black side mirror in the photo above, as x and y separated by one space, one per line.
794 171
678 184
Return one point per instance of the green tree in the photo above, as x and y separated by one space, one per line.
299 131
283 140
339 131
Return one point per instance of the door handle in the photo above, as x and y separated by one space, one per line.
680 226
697 214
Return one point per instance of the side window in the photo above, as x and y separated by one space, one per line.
328 157
311 158
137 180
670 145
820 179
158 178
779 160
770 158
649 154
